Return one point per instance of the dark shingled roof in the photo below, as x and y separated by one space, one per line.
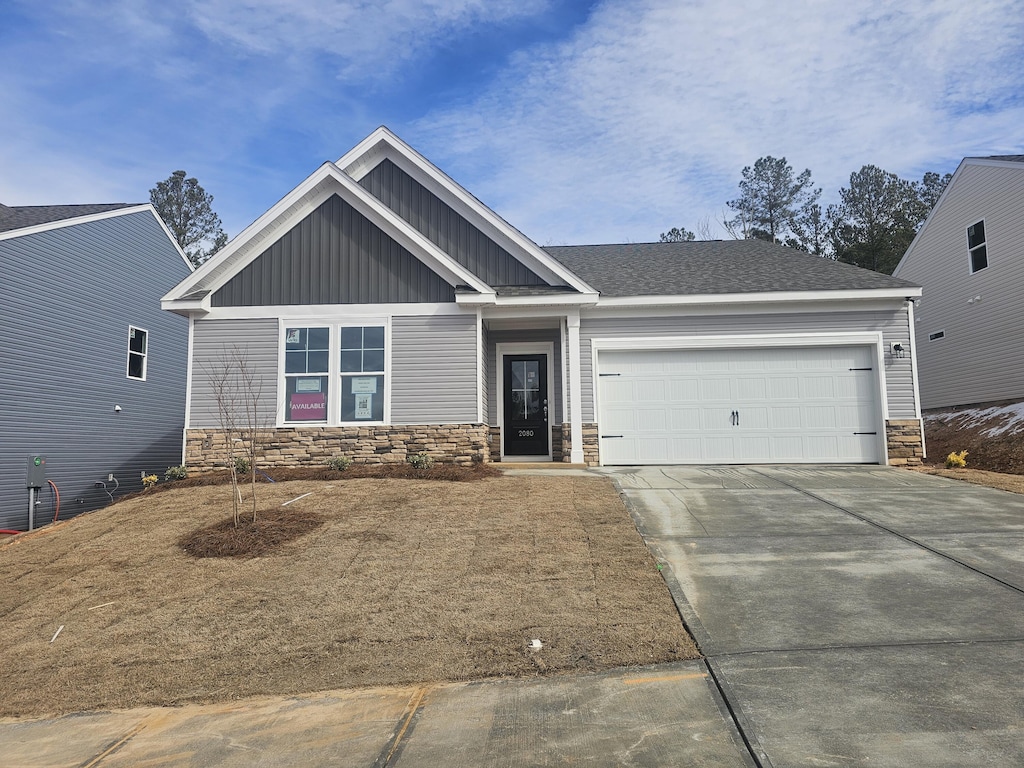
712 267
532 290
21 216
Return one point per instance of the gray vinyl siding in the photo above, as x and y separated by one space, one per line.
213 342
543 335
893 324
447 229
68 296
981 357
334 256
434 369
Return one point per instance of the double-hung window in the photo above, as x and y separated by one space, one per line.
335 374
307 358
977 247
138 351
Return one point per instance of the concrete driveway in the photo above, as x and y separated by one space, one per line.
850 615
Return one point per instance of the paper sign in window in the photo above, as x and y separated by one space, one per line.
311 406
307 385
364 406
364 385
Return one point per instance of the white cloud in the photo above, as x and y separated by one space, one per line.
644 119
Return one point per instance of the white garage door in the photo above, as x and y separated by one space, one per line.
726 406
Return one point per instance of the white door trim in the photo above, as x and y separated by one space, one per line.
501 349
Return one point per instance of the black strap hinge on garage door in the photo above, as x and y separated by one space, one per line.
609 374
865 433
862 369
605 437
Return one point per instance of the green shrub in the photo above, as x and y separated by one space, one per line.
420 460
956 460
242 465
339 463
176 473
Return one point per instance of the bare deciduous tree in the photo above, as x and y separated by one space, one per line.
238 392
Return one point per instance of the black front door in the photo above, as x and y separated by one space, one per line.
525 430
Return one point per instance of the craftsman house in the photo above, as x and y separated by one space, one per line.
93 377
388 311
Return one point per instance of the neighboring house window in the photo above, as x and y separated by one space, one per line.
335 374
936 336
362 373
976 245
307 358
137 351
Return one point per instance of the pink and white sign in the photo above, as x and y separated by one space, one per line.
307 406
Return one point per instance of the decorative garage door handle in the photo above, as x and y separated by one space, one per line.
734 418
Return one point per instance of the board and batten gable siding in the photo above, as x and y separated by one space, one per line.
434 369
893 324
538 335
981 356
335 255
448 230
68 296
213 344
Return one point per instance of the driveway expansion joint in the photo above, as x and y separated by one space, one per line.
897 534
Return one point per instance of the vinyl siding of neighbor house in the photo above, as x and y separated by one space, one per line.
542 335
981 357
445 228
434 369
213 343
68 296
334 256
893 324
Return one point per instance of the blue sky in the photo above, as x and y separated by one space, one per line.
579 122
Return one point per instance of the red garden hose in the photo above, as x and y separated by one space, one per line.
56 506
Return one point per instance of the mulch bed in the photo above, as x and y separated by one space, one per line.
269 532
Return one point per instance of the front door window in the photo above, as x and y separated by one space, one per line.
526 406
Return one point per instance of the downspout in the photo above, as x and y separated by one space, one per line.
913 370
188 390
576 383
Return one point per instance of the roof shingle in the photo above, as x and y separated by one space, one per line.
712 267
21 216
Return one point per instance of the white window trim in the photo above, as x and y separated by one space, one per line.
334 373
128 356
523 348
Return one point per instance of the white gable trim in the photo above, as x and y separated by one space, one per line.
383 144
328 180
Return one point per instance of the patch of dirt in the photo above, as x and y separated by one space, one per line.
992 437
404 582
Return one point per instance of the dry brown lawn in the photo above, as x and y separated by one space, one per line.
405 581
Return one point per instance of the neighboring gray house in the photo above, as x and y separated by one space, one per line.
389 311
969 257
94 372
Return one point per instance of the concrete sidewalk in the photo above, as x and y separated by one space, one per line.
851 615
664 715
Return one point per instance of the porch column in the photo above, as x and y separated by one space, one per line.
572 321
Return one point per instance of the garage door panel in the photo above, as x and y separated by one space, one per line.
794 404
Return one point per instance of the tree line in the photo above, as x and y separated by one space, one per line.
872 225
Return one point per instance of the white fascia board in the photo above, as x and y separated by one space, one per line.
830 338
61 223
561 300
190 308
383 144
780 297
744 308
315 311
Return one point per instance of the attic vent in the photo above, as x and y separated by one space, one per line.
937 335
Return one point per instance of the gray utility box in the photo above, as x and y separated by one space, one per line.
36 472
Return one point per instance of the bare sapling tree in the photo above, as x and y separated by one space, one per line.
238 392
